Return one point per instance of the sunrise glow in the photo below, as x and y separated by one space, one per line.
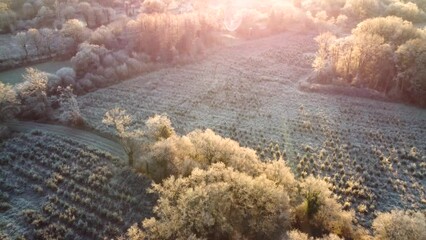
213 119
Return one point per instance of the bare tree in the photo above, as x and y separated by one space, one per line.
22 40
120 120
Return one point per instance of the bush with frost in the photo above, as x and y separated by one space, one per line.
411 79
76 29
407 11
218 203
179 155
394 30
32 94
7 18
67 76
88 58
154 6
44 15
28 11
69 112
159 127
129 139
400 225
53 82
363 9
8 102
319 212
103 36
297 235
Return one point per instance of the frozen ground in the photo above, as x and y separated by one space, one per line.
54 186
81 136
373 151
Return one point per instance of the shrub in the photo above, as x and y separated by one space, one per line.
69 110
120 120
103 36
67 76
411 78
7 17
320 213
8 101
393 30
219 203
154 6
297 235
180 155
88 58
363 9
76 29
407 11
32 94
159 127
400 225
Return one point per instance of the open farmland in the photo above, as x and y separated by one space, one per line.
53 187
374 152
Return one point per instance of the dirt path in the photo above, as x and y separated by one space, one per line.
87 138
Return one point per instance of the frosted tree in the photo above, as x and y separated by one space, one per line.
322 63
120 121
69 110
7 17
319 209
75 29
67 76
411 59
36 39
48 36
8 101
33 94
88 58
22 39
217 203
400 225
159 127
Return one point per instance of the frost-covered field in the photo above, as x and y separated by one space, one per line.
52 187
373 151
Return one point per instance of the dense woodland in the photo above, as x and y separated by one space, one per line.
205 186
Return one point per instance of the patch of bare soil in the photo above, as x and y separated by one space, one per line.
372 151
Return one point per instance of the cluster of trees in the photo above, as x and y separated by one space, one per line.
43 42
38 98
386 54
21 15
132 46
356 10
75 21
110 47
210 187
